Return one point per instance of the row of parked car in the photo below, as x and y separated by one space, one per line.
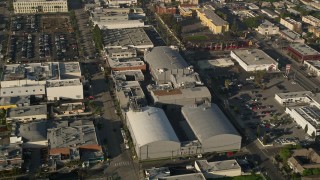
29 25
12 50
61 45
44 46
27 48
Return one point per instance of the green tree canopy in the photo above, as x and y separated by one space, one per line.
97 37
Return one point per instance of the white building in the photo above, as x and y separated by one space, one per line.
313 66
152 134
117 18
294 98
39 6
56 80
268 28
291 24
254 60
311 20
306 116
218 169
64 89
304 108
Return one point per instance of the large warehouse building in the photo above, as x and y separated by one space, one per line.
212 128
167 65
152 133
254 60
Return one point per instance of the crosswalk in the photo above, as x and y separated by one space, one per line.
122 163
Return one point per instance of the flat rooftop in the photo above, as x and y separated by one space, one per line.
126 62
221 62
17 100
27 111
120 50
304 49
165 58
59 83
41 71
33 131
291 34
206 166
215 19
71 134
294 94
315 64
313 19
195 92
254 57
126 37
292 21
310 113
129 75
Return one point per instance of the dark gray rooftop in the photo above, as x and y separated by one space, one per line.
164 57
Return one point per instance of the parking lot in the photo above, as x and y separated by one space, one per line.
254 106
37 38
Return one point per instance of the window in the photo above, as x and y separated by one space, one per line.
34 90
11 92
4 93
40 89
26 90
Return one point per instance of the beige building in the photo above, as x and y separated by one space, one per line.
291 24
314 30
311 20
210 19
39 6
268 28
303 159
195 2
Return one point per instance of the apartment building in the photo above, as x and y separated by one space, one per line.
210 19
311 20
39 6
291 24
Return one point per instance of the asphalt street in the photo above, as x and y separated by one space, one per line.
121 163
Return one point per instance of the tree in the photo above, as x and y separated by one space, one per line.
97 37
234 26
284 154
227 83
307 172
252 22
265 138
258 131
306 128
